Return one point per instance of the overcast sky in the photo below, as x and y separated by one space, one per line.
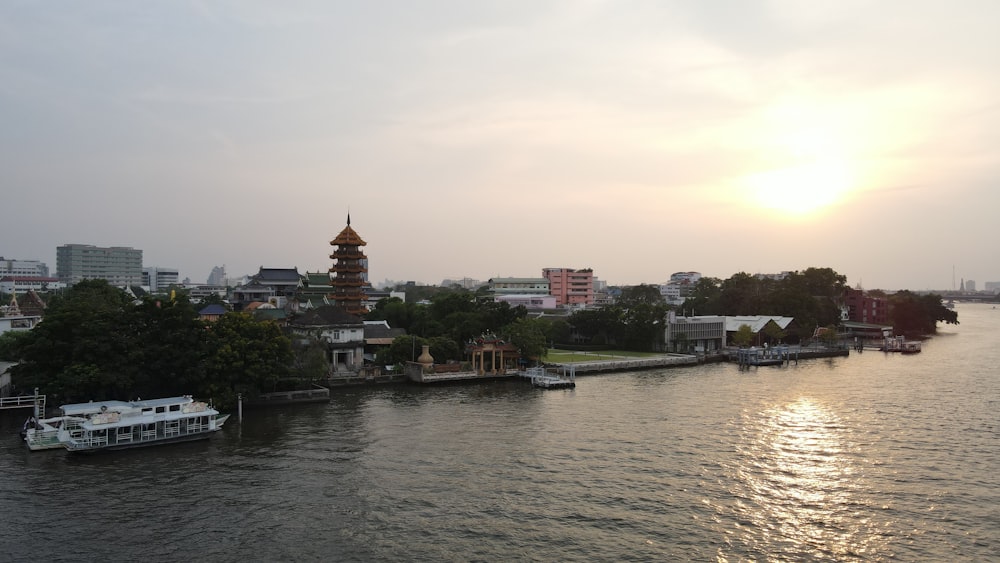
482 139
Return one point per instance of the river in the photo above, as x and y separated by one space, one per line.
869 457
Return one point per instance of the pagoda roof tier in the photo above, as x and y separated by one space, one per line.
348 237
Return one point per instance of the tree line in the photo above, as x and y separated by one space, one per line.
96 343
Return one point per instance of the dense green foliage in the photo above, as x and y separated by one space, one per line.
811 297
95 344
915 315
452 318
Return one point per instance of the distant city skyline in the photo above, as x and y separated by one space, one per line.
960 284
489 139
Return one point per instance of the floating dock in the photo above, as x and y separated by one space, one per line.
544 379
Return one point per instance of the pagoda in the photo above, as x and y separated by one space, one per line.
349 274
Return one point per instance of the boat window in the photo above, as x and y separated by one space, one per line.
147 410
175 408
161 410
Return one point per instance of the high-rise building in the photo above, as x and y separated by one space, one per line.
120 266
571 287
159 279
218 276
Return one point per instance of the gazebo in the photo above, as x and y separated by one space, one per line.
491 356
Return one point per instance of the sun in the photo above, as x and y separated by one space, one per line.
801 189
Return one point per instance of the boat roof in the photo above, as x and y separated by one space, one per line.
94 407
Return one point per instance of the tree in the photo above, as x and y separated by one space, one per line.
79 351
705 298
743 336
529 336
916 315
243 355
644 312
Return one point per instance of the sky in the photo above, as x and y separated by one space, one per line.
497 138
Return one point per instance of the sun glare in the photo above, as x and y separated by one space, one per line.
806 157
800 190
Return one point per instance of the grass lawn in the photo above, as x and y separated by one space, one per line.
571 356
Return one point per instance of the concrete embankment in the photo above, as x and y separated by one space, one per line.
629 364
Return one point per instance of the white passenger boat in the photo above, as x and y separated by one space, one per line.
136 424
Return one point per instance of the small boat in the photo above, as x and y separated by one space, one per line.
136 424
910 347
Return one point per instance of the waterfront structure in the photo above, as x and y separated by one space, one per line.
121 266
159 279
706 333
862 308
379 336
758 325
349 273
573 288
342 334
500 287
28 268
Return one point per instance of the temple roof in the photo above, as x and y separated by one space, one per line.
348 237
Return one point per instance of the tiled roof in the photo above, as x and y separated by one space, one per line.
213 309
326 315
348 237
756 322
265 275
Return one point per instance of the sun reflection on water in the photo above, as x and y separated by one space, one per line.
798 488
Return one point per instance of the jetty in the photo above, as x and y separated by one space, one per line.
622 363
317 394
550 379
36 402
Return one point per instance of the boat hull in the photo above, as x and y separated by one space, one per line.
77 449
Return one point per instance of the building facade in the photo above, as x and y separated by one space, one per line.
679 288
121 266
574 288
862 308
23 284
518 286
706 333
159 279
26 268
530 302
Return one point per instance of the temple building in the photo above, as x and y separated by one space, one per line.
349 274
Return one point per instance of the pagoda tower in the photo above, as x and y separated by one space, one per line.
349 274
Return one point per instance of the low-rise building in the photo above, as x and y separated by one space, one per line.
342 334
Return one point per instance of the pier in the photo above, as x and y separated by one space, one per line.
555 379
36 402
773 356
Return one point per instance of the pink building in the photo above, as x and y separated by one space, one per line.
571 287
